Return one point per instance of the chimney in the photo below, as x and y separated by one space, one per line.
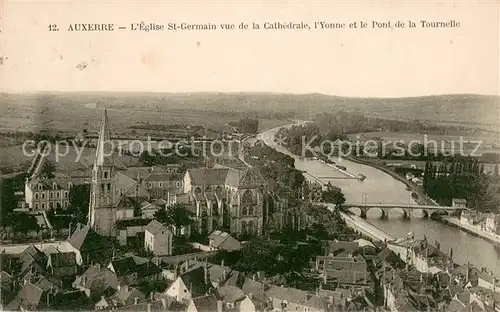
222 262
149 307
136 300
126 288
253 277
220 306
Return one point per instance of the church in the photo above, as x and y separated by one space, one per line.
111 189
235 200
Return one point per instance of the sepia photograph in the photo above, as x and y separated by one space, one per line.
249 156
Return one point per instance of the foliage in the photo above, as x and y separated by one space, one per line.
166 156
462 179
79 199
181 245
274 258
24 223
48 170
333 195
176 215
8 200
59 222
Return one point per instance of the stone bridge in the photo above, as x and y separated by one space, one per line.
407 208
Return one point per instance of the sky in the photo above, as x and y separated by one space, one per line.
368 62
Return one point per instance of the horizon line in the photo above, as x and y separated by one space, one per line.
245 92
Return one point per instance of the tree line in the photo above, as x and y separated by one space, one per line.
463 178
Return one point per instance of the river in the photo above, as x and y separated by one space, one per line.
381 187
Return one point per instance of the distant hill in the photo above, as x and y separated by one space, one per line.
472 109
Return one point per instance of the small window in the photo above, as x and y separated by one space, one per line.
36 205
43 195
57 194
36 195
54 186
150 185
65 194
108 187
66 204
39 187
161 184
70 185
162 232
178 184
51 195
105 174
43 205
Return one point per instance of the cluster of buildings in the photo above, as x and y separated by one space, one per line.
417 275
485 222
235 199
85 272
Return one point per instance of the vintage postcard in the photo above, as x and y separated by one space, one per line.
249 155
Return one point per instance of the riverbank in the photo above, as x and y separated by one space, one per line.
422 199
364 228
455 222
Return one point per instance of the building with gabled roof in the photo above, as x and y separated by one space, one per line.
30 298
90 247
135 270
190 284
62 264
205 303
158 239
219 240
97 281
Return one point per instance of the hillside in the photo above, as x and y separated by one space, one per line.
455 108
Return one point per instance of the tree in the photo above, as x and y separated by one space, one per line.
176 215
333 195
48 170
25 223
79 199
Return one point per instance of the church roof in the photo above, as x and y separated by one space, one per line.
226 176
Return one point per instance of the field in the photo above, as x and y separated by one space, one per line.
485 143
70 113
73 116
61 110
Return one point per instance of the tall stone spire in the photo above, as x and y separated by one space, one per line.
104 148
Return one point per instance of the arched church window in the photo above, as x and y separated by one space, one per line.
208 189
243 227
244 211
250 211
247 198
